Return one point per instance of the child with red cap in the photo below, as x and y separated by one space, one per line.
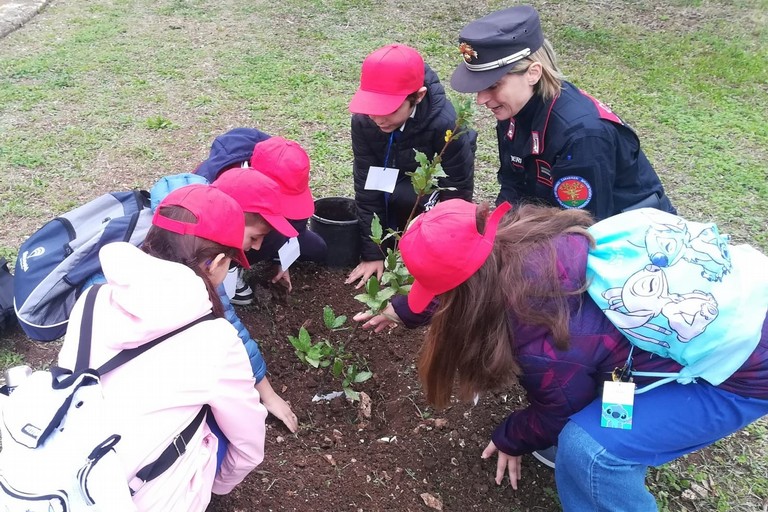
400 108
286 163
197 230
514 306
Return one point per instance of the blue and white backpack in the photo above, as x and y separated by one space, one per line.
679 289
57 259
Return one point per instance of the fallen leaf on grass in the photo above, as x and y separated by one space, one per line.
431 501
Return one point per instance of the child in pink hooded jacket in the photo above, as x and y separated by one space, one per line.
197 231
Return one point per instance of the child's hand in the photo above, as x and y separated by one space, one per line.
282 277
364 271
276 406
387 318
508 463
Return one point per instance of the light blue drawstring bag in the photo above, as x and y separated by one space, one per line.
679 289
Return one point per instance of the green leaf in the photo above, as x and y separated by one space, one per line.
304 339
376 231
372 286
352 394
363 376
313 361
328 317
339 321
338 367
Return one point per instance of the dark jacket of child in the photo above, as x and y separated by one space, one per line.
425 132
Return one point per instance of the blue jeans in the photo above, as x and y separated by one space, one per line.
589 478
603 469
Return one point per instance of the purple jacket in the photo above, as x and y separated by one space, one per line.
560 383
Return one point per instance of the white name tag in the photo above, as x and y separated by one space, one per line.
381 178
289 252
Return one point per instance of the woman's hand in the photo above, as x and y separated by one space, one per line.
508 463
364 271
387 318
276 406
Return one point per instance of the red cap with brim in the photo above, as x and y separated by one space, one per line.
442 248
219 217
287 164
388 76
256 193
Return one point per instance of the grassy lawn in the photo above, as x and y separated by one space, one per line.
104 95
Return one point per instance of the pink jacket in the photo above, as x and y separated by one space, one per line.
153 397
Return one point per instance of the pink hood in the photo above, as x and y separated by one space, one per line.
154 396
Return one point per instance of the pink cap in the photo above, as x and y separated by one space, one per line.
287 164
442 248
388 76
219 218
256 193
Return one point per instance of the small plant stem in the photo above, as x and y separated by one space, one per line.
352 334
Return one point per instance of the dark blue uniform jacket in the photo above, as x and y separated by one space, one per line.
573 152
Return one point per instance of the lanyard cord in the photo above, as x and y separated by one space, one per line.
389 147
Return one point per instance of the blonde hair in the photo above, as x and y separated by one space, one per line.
551 82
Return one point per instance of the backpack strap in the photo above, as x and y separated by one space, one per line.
172 452
86 336
178 446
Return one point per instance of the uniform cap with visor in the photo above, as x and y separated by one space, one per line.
218 217
388 76
442 248
491 45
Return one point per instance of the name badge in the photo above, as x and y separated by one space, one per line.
381 178
289 252
618 402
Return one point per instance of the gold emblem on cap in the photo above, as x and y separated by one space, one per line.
467 52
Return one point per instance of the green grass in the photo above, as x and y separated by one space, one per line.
112 94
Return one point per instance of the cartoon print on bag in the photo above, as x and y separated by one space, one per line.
573 192
667 244
645 296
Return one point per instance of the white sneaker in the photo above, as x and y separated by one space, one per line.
546 456
243 293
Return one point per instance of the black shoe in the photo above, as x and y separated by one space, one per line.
546 456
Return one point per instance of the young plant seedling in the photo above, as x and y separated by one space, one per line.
317 355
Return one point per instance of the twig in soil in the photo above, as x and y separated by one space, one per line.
271 484
421 413
352 334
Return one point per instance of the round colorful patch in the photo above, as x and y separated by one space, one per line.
573 192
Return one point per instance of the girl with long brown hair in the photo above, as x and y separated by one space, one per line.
506 296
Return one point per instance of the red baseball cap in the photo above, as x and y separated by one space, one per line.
256 193
218 217
287 164
442 248
388 76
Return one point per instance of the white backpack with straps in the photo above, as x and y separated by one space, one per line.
57 441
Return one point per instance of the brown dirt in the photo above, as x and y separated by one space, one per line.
405 450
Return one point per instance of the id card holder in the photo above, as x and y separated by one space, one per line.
381 178
618 404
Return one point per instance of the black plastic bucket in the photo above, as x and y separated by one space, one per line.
335 220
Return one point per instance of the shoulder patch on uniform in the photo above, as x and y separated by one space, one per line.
573 192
